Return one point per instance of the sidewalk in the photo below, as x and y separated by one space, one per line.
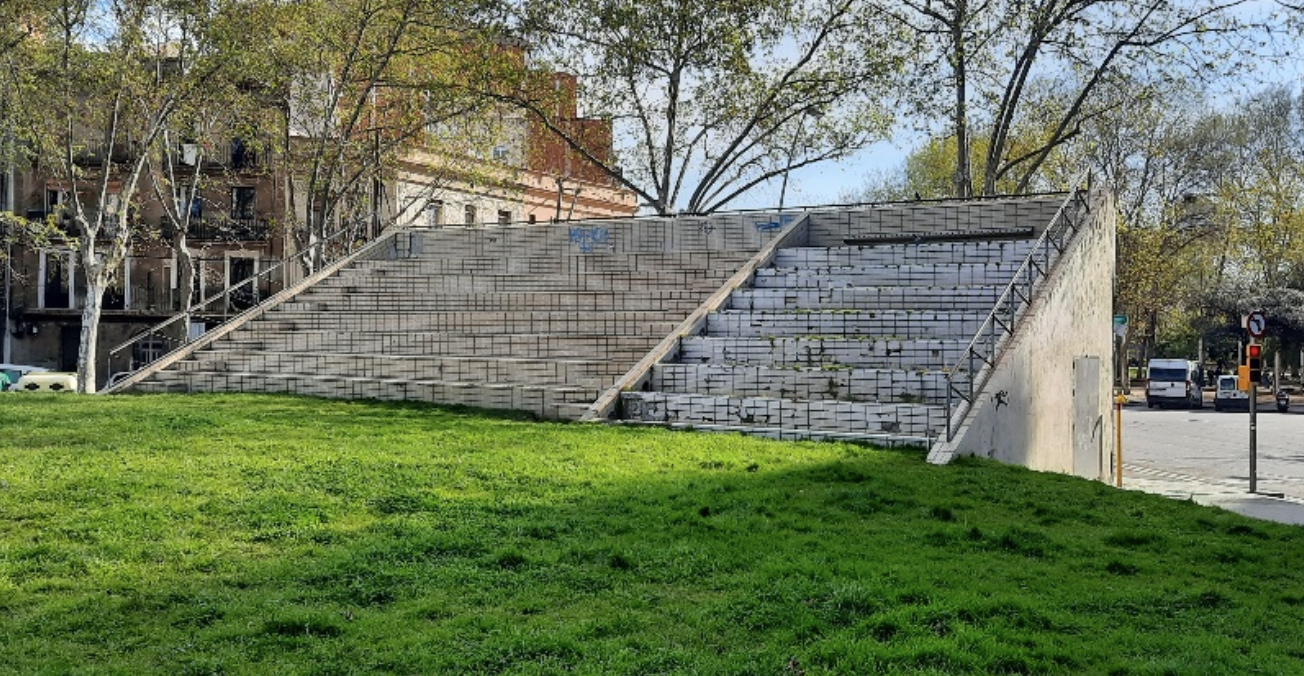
1229 495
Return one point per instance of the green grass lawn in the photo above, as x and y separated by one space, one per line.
189 535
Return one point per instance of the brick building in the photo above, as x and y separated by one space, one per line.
237 229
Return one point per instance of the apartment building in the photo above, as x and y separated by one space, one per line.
240 228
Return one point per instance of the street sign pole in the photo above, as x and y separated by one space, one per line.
1255 323
1254 437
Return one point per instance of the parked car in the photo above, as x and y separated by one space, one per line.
1174 381
1228 396
11 373
47 381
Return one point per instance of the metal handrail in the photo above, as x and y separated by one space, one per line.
157 331
989 339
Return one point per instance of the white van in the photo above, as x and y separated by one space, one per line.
1228 395
1174 381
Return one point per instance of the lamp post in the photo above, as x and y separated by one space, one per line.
808 111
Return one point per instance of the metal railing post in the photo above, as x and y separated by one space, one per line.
971 377
950 410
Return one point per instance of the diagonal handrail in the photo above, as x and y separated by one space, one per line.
978 358
328 265
693 324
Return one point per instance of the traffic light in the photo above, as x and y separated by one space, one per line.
1254 360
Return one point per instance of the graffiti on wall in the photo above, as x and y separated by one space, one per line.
588 239
775 224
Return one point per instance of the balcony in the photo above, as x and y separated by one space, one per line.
236 155
230 230
95 152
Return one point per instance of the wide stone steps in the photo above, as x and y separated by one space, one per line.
951 253
883 439
523 263
536 346
551 402
613 322
912 420
856 323
969 274
578 372
969 298
673 301
829 352
461 284
849 342
811 383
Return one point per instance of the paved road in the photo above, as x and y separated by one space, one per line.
1206 454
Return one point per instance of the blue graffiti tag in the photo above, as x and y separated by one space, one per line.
589 238
771 226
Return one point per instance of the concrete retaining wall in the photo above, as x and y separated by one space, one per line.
833 227
1026 413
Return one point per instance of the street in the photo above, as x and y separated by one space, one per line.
1214 446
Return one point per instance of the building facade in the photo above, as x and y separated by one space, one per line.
238 229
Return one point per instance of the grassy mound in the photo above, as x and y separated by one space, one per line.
279 535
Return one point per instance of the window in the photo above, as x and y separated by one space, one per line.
532 219
501 153
470 214
434 213
242 203
1169 375
504 217
53 199
242 156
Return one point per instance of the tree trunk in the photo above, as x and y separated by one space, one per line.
963 179
96 282
185 281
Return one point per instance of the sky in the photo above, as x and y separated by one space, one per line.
829 182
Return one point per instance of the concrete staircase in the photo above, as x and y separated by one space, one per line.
533 318
851 335
970 327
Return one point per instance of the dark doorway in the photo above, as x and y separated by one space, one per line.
242 269
56 281
69 342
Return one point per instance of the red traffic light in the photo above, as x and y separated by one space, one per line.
1255 351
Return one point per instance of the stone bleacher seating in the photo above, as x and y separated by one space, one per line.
848 335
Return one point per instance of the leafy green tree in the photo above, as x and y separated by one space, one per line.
981 63
94 87
711 100
367 82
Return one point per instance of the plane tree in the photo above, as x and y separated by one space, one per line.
980 62
710 100
93 87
